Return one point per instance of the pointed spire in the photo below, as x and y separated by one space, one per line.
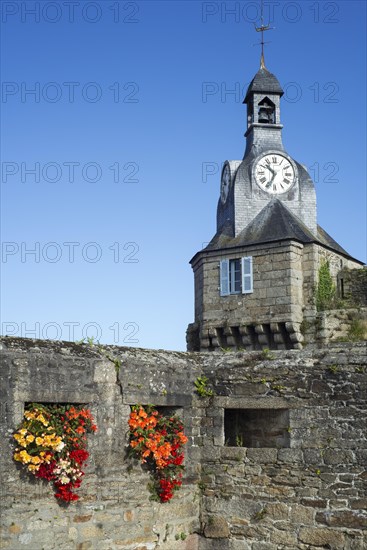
262 61
262 28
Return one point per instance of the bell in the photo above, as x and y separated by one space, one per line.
264 115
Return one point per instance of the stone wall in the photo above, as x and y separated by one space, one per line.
258 319
352 286
309 493
115 510
303 488
285 279
339 325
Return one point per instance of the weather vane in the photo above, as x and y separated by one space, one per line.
262 29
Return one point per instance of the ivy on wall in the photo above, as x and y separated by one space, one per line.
325 291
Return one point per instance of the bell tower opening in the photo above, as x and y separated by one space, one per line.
266 111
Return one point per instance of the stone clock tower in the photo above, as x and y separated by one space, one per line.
255 281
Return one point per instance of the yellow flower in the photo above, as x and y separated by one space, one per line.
25 457
36 460
39 440
42 419
30 438
20 440
23 431
17 457
33 468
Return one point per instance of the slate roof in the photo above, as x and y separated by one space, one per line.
274 223
264 81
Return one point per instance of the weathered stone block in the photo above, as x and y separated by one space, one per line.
290 455
216 527
302 515
322 537
262 455
345 518
277 511
284 537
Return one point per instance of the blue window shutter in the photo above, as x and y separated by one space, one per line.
224 277
247 279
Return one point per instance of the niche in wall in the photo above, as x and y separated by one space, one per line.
256 428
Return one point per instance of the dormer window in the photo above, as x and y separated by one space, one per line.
266 112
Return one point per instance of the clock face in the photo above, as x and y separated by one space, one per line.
225 183
274 173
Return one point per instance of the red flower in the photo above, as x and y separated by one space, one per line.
45 471
65 493
158 441
79 456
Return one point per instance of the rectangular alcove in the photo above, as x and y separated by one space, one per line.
256 428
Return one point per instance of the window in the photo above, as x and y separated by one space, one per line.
257 428
236 276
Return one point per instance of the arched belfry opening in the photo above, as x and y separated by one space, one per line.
266 111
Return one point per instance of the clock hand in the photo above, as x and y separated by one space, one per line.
271 181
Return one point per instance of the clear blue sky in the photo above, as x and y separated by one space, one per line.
144 88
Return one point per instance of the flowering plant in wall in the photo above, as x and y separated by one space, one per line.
158 441
52 441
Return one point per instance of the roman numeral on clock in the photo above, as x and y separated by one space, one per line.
286 181
263 180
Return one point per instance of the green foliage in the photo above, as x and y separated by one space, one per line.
305 326
116 362
89 340
202 486
266 354
180 536
201 387
333 369
239 440
325 291
260 514
278 387
357 331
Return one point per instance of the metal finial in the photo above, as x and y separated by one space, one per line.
262 28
